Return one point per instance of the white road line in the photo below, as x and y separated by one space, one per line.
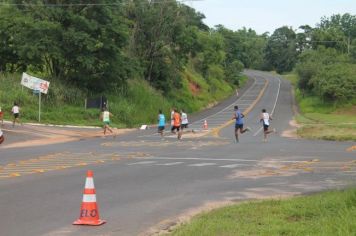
234 165
202 164
141 163
274 106
229 106
221 159
170 164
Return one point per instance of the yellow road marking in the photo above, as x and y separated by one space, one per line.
14 175
215 132
59 161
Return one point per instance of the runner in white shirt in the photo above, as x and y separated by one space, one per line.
266 118
16 113
105 117
172 120
1 137
184 118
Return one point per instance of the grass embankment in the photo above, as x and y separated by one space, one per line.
138 105
325 214
324 120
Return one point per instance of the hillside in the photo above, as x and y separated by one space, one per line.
138 105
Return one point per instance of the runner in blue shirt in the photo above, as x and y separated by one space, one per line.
239 124
161 123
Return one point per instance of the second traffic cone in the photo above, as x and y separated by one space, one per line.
89 212
205 125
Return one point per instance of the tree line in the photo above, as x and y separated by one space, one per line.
100 45
324 57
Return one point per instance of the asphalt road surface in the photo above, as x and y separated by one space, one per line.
145 184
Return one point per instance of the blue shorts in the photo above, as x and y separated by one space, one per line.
239 126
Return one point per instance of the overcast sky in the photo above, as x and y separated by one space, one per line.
268 15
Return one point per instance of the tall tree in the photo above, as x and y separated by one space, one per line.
281 51
81 43
337 31
164 34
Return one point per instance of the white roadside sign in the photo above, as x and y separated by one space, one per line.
34 83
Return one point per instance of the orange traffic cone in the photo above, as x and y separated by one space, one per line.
205 125
89 212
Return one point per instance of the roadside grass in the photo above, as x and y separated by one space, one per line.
324 120
324 214
327 132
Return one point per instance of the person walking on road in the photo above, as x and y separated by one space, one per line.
105 117
16 113
176 124
239 123
161 123
265 119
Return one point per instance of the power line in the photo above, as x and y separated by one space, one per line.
90 4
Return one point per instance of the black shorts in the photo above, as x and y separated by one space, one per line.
239 126
175 128
265 127
160 128
184 126
16 115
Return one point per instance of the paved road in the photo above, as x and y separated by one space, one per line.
143 181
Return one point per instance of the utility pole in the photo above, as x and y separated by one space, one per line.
348 45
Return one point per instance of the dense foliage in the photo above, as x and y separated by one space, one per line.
326 67
102 45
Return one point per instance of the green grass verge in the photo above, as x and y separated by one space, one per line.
324 120
325 214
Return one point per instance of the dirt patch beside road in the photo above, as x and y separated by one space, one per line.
292 132
38 136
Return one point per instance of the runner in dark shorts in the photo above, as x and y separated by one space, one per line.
175 128
265 119
239 123
161 123
176 124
